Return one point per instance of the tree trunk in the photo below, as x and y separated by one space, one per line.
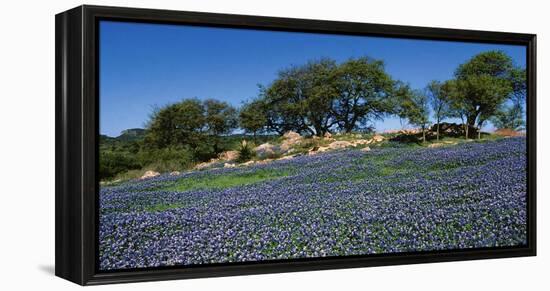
348 127
437 134
466 126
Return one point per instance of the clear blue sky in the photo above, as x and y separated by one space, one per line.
143 65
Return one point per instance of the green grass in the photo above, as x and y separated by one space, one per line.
226 181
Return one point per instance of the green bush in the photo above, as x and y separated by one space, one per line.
166 159
245 152
204 151
114 163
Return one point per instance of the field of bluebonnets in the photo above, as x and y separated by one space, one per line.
346 202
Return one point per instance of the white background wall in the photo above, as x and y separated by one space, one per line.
27 144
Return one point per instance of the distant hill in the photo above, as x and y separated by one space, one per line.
104 137
131 134
127 136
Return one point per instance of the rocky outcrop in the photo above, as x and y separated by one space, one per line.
263 162
453 130
328 136
339 144
508 132
316 150
285 158
205 165
149 174
265 150
291 139
362 142
228 156
292 135
378 138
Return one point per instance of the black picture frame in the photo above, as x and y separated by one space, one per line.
76 113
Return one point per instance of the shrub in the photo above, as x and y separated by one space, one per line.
114 163
204 151
245 152
166 159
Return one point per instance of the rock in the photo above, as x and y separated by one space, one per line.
204 165
317 149
436 145
291 135
262 162
291 138
285 158
365 149
265 150
339 144
328 136
264 146
377 138
508 132
174 173
229 156
228 165
410 131
361 142
323 149
392 131
285 147
453 129
247 163
149 174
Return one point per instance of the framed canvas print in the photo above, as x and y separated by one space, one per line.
197 144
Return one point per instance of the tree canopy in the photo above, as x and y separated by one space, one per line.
252 117
323 96
415 107
177 124
190 123
364 91
509 117
483 84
